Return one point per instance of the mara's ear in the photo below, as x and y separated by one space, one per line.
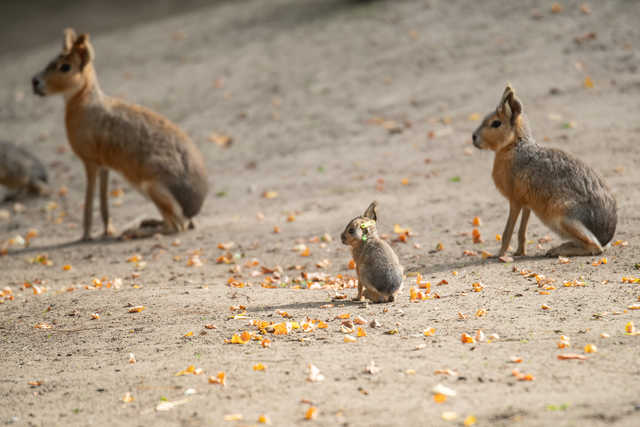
516 108
83 48
509 106
371 211
68 39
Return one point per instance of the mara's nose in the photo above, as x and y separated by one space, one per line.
474 137
34 81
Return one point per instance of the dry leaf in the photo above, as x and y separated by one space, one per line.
314 374
443 390
571 356
371 368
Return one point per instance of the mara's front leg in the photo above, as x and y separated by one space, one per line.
91 170
360 295
104 202
522 233
514 211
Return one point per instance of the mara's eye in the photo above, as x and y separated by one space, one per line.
495 124
65 67
352 230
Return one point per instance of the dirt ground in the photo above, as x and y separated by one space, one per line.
330 104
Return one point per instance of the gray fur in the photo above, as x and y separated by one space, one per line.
21 170
551 172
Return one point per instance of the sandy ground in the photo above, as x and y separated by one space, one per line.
307 90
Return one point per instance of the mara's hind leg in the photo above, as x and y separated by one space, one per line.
172 219
583 241
376 296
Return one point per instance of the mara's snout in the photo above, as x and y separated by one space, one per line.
476 140
37 84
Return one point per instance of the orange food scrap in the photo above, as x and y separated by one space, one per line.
429 332
439 398
467 339
564 342
439 247
498 237
233 417
349 338
127 398
469 421
137 309
361 332
545 307
210 326
588 83
276 229
343 316
556 8
218 379
590 348
352 265
311 413
263 419
43 325
188 334
270 194
291 218
66 267
630 328
475 234
305 252
476 221
259 367
95 316
405 181
515 359
481 312
400 230
477 287
266 342
134 258
237 339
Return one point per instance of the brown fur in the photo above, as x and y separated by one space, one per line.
566 194
378 268
152 153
